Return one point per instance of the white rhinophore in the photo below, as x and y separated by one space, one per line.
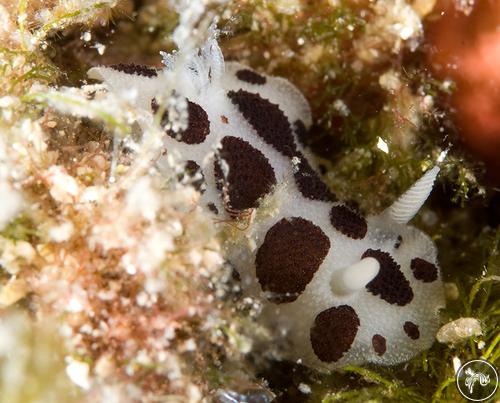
355 277
405 208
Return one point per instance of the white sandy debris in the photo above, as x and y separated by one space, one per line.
459 330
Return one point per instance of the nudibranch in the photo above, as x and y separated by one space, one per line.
343 288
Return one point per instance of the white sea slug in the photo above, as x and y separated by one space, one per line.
345 289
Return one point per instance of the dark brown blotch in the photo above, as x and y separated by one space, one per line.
379 344
348 222
424 270
250 76
333 332
411 329
135 69
198 125
249 174
267 119
300 131
390 283
292 252
194 175
213 208
309 183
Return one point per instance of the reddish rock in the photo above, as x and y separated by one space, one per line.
466 48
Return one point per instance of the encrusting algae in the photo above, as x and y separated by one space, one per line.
113 277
